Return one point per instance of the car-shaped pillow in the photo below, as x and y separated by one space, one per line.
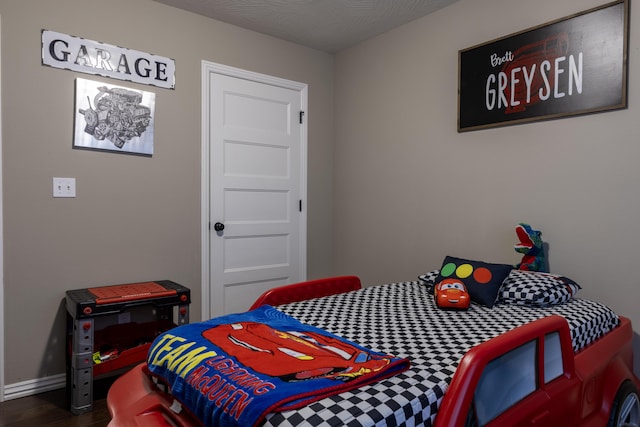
451 293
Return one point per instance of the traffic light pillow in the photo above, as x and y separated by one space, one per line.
482 279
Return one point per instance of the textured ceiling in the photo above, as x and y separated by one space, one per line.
327 25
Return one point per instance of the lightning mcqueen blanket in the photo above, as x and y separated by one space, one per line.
235 369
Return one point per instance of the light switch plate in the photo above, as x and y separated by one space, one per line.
64 187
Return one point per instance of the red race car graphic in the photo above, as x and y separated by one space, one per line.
529 57
293 355
451 293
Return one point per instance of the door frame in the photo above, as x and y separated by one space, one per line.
214 68
2 354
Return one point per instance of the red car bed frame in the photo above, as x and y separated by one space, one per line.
596 388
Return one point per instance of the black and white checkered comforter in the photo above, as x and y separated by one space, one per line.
401 319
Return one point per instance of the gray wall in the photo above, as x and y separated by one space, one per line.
135 218
393 188
409 189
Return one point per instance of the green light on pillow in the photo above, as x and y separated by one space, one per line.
448 269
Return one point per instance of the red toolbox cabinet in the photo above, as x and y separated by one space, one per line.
121 319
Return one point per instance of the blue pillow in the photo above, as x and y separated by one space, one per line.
482 279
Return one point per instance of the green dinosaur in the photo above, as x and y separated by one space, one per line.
532 248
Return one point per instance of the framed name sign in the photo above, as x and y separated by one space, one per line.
575 65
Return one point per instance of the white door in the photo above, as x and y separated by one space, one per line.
256 166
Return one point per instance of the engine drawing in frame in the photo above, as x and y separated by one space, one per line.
113 118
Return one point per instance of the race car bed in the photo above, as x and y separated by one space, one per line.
402 320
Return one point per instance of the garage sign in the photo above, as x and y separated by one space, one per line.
92 57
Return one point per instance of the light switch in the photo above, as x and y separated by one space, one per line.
64 187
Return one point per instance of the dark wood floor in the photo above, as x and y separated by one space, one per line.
51 409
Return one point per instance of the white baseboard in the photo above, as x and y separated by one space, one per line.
35 386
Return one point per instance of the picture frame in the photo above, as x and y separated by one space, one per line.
113 118
572 66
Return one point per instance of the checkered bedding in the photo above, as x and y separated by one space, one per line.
401 319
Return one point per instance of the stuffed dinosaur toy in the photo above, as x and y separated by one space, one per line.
532 248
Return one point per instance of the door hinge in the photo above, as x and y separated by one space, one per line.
300 205
301 116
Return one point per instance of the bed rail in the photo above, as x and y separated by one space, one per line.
308 290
